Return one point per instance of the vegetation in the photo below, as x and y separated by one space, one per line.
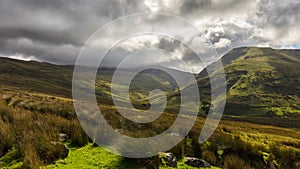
92 157
26 135
262 82
260 126
29 123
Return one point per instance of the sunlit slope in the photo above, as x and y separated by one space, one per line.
260 81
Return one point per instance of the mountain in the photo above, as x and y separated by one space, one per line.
56 80
260 81
36 77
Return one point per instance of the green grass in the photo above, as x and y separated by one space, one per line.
91 157
260 82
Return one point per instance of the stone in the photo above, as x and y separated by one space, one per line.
63 137
196 162
170 159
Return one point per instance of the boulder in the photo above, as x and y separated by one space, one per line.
196 162
63 137
170 159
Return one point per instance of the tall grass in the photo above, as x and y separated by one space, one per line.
29 132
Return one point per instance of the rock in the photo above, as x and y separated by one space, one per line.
196 162
63 149
63 137
170 159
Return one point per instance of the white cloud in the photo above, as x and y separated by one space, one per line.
222 43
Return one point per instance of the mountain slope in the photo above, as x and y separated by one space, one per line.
56 80
36 77
260 81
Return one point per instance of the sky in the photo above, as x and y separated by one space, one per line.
56 30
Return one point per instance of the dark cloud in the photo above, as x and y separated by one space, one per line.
169 44
278 14
190 6
55 30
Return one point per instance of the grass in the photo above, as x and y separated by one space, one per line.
28 124
260 82
91 157
240 141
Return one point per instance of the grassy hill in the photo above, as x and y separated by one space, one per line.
36 77
260 81
57 80
264 81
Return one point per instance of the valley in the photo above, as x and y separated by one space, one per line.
260 126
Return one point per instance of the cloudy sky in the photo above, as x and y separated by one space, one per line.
55 30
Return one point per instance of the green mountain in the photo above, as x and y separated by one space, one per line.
260 81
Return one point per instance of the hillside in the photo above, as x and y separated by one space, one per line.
36 77
260 81
56 80
264 81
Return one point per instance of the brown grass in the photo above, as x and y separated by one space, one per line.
30 131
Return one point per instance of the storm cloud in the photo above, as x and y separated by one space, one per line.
55 31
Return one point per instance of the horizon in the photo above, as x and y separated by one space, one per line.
132 68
